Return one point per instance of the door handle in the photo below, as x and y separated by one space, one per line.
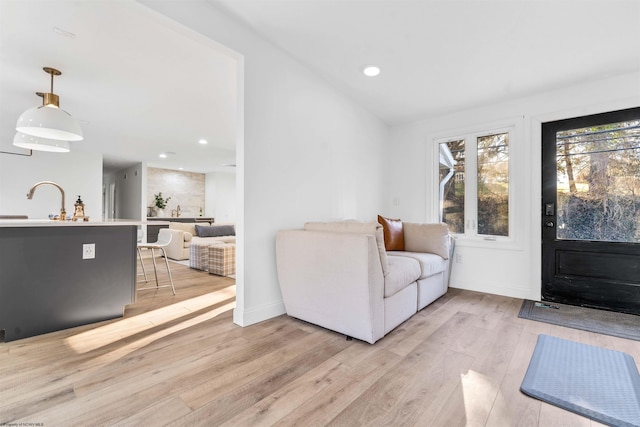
549 224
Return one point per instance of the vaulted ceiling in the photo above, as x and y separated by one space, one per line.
439 56
141 86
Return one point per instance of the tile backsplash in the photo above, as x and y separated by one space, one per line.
186 189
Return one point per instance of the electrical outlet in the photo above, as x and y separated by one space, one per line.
459 258
88 251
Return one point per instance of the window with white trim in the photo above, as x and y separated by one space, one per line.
474 184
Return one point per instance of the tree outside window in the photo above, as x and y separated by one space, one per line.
598 183
480 206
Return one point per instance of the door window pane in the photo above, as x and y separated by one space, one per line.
452 185
598 182
493 184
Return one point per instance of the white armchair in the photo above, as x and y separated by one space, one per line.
343 279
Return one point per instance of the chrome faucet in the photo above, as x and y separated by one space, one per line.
63 213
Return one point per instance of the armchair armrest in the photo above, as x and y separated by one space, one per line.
430 238
334 280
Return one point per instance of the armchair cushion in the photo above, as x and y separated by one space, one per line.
187 236
393 233
432 238
403 271
430 264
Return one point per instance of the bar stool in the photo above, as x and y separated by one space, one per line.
140 237
164 238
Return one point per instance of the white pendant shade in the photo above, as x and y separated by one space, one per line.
42 144
49 122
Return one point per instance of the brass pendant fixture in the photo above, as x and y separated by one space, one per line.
49 121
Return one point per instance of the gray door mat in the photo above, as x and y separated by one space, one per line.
587 319
595 382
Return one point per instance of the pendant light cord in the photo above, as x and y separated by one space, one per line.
18 154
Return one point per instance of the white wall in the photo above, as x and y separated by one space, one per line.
305 152
130 197
108 180
512 272
77 173
220 196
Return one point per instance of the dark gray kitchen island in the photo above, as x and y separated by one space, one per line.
48 284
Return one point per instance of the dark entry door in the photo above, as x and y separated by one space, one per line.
591 211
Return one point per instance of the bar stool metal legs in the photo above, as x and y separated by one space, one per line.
144 272
164 238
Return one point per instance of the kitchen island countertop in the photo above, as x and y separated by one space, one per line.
79 223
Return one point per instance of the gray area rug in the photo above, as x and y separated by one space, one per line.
595 382
587 319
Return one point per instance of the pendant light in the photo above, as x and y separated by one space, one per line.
49 121
31 142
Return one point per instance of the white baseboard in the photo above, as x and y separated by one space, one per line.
259 314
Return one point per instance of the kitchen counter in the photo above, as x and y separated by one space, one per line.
155 223
50 282
55 223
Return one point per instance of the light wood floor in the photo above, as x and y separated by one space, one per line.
181 361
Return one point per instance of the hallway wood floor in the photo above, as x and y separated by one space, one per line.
179 360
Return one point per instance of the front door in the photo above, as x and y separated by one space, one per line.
591 211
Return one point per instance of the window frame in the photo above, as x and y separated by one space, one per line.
517 199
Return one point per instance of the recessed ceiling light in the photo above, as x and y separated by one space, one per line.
163 156
202 141
371 71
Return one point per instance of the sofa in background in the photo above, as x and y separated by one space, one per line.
185 233
340 275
